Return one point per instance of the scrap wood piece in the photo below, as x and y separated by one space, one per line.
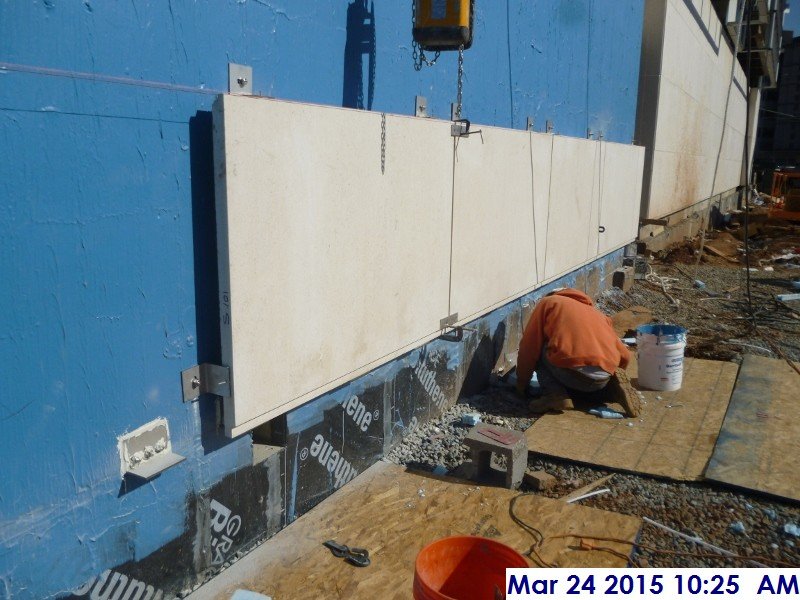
725 246
382 510
631 318
721 254
673 437
759 442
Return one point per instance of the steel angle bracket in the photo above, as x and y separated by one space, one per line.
450 331
240 79
205 379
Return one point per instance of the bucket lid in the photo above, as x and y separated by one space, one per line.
660 330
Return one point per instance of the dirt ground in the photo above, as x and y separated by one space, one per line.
708 294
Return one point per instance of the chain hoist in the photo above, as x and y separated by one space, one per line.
439 25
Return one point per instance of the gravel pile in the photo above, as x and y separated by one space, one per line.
743 524
438 443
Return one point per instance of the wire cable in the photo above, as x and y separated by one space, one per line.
747 189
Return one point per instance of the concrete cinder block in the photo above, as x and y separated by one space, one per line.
539 481
623 278
515 451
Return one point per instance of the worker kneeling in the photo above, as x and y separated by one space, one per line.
574 349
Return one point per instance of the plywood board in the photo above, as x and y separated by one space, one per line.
494 246
759 443
322 244
674 436
394 514
573 196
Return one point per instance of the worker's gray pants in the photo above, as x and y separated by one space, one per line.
549 374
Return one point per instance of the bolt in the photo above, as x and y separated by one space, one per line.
195 382
242 81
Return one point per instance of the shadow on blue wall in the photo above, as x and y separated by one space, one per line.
360 43
206 281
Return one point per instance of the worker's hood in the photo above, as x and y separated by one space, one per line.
575 295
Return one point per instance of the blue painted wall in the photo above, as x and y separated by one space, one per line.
106 209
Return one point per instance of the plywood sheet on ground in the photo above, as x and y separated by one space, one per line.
673 437
394 513
759 443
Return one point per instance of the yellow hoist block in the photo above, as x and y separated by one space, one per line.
443 24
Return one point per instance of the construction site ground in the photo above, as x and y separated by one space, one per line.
705 292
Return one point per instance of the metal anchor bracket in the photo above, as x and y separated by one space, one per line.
240 79
450 331
205 379
420 106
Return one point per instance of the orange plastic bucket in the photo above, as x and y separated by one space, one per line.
463 568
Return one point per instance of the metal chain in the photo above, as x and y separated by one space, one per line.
417 53
460 89
383 143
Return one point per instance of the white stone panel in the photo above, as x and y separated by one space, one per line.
571 227
494 248
328 266
694 87
620 191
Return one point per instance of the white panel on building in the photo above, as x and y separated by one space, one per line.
573 196
343 240
329 265
620 189
541 165
494 247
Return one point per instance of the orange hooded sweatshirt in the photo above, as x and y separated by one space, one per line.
577 335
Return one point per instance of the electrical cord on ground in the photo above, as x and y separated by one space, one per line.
537 535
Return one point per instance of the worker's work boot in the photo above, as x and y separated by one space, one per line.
621 391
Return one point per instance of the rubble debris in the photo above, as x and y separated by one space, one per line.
471 419
539 481
791 529
737 527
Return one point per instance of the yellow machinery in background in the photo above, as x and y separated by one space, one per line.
443 24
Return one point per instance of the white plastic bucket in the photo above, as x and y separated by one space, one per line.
660 355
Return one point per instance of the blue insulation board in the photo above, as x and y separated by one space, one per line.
109 252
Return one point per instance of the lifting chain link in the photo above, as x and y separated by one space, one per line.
460 88
383 143
418 54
